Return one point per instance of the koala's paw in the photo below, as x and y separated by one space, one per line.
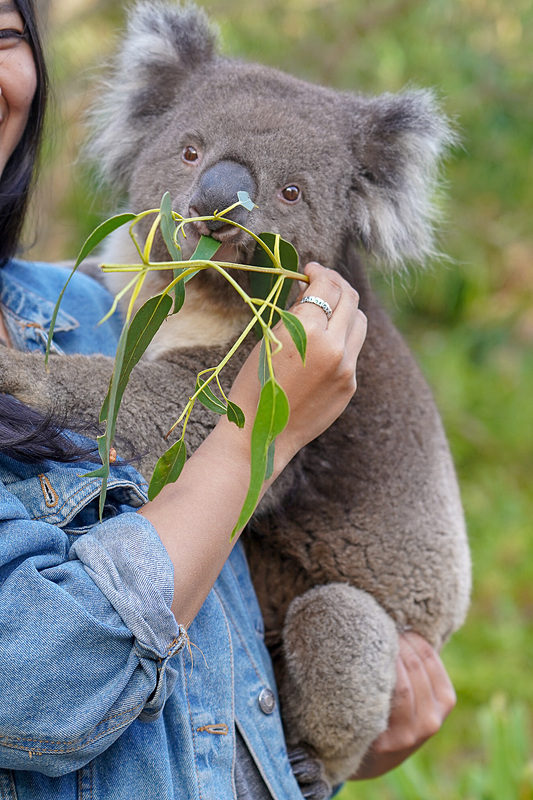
309 773
340 651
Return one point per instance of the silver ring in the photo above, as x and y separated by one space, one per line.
317 301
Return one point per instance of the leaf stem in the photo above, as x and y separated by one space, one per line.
163 265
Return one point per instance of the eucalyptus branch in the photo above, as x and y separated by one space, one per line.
201 264
220 366
269 293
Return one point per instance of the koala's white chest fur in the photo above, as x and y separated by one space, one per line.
200 323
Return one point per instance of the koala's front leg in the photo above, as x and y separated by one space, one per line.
339 673
75 384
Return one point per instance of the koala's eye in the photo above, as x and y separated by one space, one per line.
291 193
190 154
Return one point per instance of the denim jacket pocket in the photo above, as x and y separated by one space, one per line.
65 497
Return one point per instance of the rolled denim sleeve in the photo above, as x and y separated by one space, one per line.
86 637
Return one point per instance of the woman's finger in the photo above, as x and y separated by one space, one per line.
436 687
403 701
324 286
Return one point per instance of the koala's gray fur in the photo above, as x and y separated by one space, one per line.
363 536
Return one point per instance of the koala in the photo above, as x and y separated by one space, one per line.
363 536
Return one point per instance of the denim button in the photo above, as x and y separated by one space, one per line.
267 701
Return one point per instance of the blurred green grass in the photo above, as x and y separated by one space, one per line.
469 319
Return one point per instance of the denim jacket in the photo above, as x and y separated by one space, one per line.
102 693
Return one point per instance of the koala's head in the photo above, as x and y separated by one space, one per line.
324 168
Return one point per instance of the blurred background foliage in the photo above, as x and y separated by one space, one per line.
468 319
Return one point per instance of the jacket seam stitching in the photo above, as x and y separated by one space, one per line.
10 741
186 682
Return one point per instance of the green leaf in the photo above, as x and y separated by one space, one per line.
139 334
205 249
263 371
272 414
208 399
168 468
261 284
168 228
245 200
271 418
91 242
270 461
297 332
179 292
100 233
236 414
133 341
108 413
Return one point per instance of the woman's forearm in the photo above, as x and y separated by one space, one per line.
195 516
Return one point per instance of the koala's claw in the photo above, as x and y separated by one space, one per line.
305 768
308 773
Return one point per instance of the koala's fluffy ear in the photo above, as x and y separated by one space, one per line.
163 43
398 144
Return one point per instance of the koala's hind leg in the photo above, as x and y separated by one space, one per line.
339 672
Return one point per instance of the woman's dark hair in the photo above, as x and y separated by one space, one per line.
18 175
26 434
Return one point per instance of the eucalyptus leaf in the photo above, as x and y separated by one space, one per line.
100 233
270 461
205 249
271 418
102 472
91 242
297 332
168 468
139 334
272 413
262 370
246 201
179 292
108 414
208 399
236 414
133 341
168 228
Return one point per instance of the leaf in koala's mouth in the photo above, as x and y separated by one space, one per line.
205 249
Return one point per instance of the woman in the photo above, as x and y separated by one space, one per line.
104 693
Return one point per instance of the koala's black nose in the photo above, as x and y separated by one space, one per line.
217 189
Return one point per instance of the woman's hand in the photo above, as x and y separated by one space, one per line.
423 698
319 392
